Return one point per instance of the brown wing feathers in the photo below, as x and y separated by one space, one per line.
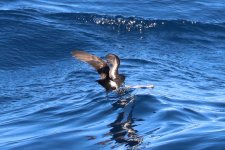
96 62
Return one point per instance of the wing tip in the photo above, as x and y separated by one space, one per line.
76 52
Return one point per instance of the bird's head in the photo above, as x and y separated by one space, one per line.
112 60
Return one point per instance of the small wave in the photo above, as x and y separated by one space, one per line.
19 14
135 23
118 22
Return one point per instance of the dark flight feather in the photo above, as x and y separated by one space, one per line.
96 62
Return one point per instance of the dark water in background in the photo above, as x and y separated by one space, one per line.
48 100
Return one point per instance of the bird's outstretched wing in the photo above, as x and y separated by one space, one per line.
96 62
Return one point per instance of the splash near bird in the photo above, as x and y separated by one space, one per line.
108 70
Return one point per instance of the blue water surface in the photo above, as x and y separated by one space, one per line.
49 100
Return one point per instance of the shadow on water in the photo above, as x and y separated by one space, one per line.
122 130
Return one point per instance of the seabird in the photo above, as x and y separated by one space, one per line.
110 77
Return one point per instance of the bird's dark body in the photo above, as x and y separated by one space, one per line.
110 78
106 82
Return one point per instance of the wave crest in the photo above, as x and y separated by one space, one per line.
136 23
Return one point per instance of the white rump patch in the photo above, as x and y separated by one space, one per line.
113 84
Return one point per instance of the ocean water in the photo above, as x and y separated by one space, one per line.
49 100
